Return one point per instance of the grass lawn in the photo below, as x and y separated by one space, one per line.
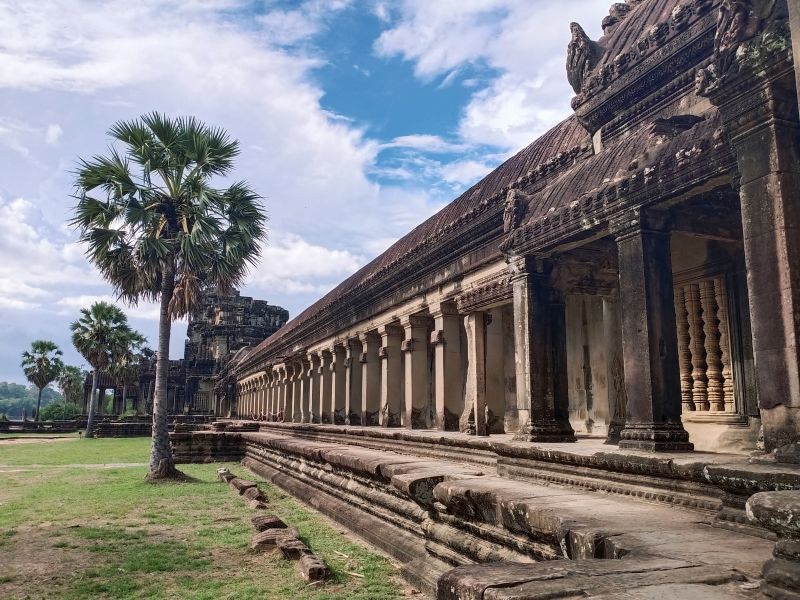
77 520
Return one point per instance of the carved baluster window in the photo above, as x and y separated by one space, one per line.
697 345
704 353
724 344
708 302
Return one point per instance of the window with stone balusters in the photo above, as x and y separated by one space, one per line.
704 345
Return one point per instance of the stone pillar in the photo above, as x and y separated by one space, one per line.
474 418
759 110
313 388
615 376
446 341
389 353
338 385
495 375
649 341
540 358
370 378
297 392
287 394
417 397
352 366
794 23
305 415
325 395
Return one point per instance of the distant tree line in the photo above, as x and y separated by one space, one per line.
14 398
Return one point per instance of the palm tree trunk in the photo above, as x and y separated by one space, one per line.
38 404
124 390
161 464
90 420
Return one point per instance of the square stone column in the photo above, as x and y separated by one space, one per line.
338 385
287 394
312 375
615 372
325 394
297 392
759 110
446 342
417 383
495 375
352 376
389 353
370 378
540 353
302 377
649 340
475 393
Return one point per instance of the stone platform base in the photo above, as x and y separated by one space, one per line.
435 515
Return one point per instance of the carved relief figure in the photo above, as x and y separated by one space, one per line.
512 214
582 57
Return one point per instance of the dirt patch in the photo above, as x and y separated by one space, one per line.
30 561
32 440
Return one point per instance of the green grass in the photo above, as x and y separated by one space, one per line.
77 520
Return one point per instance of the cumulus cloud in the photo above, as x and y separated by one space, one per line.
522 43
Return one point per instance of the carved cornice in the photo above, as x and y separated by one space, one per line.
593 213
486 292
655 66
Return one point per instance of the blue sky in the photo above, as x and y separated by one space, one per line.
358 119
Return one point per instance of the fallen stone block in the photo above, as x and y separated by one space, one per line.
257 505
312 568
264 522
267 540
240 485
254 493
292 548
225 475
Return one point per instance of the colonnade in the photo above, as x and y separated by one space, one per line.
411 372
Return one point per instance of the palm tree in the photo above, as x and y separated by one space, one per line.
41 364
101 330
70 382
157 229
124 367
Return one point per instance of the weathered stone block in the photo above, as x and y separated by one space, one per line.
254 493
291 547
240 485
225 475
266 540
257 505
312 568
265 522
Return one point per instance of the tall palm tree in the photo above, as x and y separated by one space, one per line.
124 367
158 229
70 382
99 332
41 364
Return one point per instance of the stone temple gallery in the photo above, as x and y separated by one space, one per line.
581 378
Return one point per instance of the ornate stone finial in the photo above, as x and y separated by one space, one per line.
582 57
512 214
617 12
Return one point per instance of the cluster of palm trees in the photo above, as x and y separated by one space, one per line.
104 338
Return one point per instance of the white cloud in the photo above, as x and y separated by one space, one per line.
425 143
53 134
464 172
523 42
